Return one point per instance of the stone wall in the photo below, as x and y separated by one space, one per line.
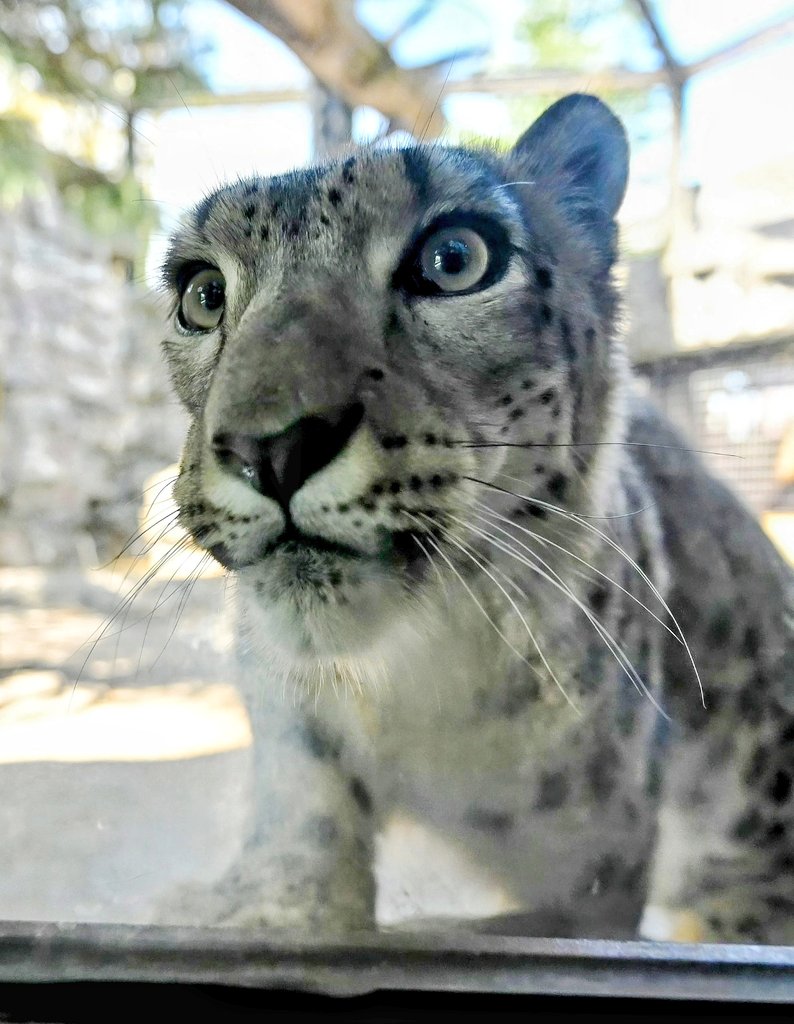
85 407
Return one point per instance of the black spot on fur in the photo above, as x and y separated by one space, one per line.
747 826
347 170
757 766
320 746
775 833
334 196
544 277
545 397
375 374
527 384
516 414
392 323
264 232
780 788
566 338
431 439
395 487
557 485
416 483
553 791
394 441
506 400
417 171
546 314
590 335
749 927
751 643
489 821
602 773
249 211
361 796
719 627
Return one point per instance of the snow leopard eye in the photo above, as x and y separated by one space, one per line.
458 254
203 299
454 258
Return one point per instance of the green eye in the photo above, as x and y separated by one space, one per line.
203 300
455 259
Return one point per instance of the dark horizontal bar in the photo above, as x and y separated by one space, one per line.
438 962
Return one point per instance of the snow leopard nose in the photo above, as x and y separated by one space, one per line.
278 465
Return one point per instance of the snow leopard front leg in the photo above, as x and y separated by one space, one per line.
307 855
305 859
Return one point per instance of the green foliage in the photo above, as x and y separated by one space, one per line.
580 35
105 55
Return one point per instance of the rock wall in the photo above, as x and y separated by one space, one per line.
85 407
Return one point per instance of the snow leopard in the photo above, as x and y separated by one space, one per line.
479 579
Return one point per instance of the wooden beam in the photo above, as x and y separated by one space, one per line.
552 81
348 61
773 33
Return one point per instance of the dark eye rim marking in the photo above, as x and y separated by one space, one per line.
412 282
184 276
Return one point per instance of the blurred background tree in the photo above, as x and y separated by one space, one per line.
87 67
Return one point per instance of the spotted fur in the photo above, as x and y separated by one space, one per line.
450 609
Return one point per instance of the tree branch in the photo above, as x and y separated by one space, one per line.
348 61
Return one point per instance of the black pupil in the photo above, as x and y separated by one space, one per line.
210 295
451 257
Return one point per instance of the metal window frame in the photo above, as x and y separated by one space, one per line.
437 962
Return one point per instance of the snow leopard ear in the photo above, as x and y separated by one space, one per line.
580 145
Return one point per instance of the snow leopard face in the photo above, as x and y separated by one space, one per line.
368 349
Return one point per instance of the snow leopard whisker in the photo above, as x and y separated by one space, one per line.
581 520
573 517
578 558
548 573
187 586
590 444
471 594
170 520
124 605
161 600
430 559
139 534
466 550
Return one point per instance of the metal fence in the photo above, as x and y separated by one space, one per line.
734 401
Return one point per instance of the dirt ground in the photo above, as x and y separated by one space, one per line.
123 764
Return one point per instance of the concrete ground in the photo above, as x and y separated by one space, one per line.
124 765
